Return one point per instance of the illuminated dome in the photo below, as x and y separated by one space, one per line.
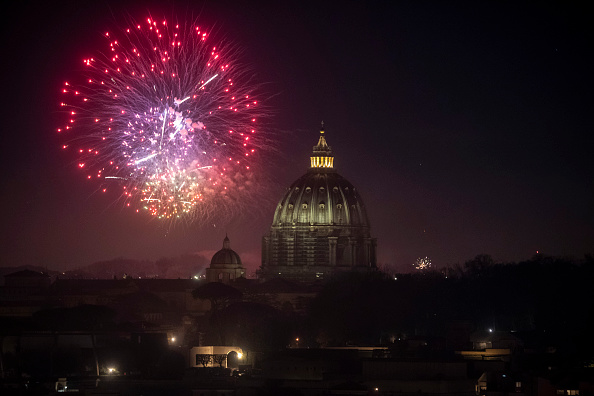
321 196
320 225
225 265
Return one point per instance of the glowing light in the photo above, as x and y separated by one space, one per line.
422 264
158 113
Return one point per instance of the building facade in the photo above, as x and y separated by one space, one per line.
320 225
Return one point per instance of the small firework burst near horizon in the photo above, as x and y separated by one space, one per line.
422 264
168 119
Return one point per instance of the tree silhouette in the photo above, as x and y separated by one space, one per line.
204 360
219 294
479 265
219 359
255 326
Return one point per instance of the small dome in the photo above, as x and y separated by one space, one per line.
225 258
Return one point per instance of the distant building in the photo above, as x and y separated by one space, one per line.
225 265
23 293
20 284
484 340
320 225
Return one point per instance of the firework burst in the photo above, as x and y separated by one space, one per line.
422 264
166 118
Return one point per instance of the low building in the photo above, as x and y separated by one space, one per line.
22 284
216 356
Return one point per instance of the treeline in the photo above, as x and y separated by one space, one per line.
546 296
550 296
165 267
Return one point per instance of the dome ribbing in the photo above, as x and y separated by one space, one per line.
225 265
225 258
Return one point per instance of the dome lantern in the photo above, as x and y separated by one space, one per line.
322 153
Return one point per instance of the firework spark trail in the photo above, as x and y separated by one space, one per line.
168 117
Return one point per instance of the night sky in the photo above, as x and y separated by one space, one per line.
466 126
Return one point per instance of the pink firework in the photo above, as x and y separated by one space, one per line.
169 119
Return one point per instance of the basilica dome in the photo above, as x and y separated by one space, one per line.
319 226
321 198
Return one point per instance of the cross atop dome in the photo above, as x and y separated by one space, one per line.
322 153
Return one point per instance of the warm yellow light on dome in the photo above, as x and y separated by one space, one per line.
322 162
